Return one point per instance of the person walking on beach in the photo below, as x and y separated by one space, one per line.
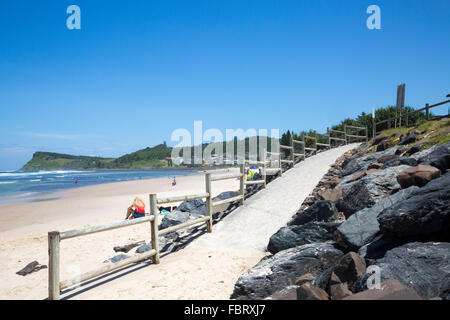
136 210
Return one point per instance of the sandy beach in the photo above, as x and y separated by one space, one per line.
24 228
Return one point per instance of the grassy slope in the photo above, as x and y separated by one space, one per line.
431 133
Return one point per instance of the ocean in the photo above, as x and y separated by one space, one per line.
19 187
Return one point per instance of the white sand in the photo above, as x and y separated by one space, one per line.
206 269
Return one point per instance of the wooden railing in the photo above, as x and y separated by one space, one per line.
407 115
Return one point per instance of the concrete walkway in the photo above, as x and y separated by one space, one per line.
270 209
209 266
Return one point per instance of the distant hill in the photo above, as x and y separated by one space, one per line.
148 158
154 157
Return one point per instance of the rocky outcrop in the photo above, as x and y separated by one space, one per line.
369 189
362 227
297 235
425 211
282 269
421 266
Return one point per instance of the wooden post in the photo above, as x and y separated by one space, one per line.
427 111
304 146
292 151
53 265
242 182
264 167
389 122
406 119
154 227
367 135
315 141
345 133
208 202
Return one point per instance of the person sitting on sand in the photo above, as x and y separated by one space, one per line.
136 210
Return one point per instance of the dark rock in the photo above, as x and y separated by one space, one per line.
369 189
417 176
323 279
425 211
362 227
421 266
118 258
399 161
321 210
30 268
383 146
128 247
439 157
379 246
409 138
375 165
174 218
307 291
378 139
387 158
296 235
349 268
144 248
276 272
390 289
288 293
195 207
339 291
226 195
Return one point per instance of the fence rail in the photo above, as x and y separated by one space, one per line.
407 115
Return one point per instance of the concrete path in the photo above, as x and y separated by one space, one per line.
209 267
270 209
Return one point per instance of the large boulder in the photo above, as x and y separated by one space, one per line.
297 235
421 266
425 211
321 210
377 248
226 195
174 218
369 189
195 207
417 176
362 227
438 156
275 272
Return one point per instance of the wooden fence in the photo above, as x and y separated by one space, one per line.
55 286
406 115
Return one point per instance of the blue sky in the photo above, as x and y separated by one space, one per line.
137 70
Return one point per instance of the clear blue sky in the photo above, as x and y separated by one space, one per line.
139 69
